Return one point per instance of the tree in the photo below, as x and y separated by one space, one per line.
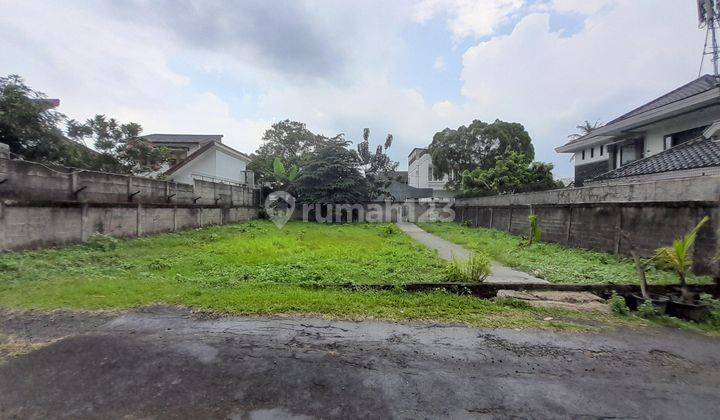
512 173
331 174
478 145
120 147
377 167
287 140
584 129
29 125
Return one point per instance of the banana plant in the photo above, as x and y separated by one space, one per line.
281 174
678 257
535 233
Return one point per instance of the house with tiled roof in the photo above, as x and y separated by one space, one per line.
669 137
204 157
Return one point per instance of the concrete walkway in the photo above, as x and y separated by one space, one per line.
448 250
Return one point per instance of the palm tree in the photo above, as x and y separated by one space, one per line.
678 257
584 129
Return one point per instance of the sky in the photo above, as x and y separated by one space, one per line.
410 68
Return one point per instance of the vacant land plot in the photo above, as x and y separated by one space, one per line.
551 262
254 268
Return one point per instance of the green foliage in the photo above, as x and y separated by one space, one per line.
120 147
556 263
377 167
473 270
647 310
478 145
714 304
390 230
678 257
618 305
512 173
101 242
535 234
29 125
332 175
289 141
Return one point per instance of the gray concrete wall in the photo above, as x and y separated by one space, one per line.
44 206
652 214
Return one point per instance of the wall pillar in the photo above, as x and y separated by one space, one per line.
491 218
618 230
174 219
84 228
4 245
568 228
510 219
138 226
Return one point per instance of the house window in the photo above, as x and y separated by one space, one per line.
667 142
592 152
583 155
430 173
627 154
602 149
672 140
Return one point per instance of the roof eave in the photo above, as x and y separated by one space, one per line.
651 116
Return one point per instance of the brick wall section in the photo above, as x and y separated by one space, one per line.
652 214
44 206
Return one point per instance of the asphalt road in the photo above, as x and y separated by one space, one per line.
169 363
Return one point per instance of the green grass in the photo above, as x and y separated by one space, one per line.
256 269
230 256
552 262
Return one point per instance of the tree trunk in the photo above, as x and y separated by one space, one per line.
641 273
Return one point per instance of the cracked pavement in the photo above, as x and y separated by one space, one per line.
167 362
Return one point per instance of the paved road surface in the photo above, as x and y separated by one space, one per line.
448 250
168 363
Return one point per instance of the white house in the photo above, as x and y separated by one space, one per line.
205 157
422 174
641 144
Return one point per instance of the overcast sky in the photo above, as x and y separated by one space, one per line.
409 68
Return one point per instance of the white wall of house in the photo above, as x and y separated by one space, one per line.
592 155
420 174
654 135
214 163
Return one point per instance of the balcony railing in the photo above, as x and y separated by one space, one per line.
246 178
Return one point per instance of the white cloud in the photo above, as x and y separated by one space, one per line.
439 64
622 58
469 18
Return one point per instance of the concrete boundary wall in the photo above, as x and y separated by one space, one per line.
43 206
599 218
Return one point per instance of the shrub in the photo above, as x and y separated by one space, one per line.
714 318
647 310
618 305
102 242
389 230
473 270
535 233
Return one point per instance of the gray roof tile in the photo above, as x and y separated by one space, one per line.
694 154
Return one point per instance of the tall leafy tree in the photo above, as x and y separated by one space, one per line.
512 173
30 125
376 166
287 140
120 147
332 174
478 145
